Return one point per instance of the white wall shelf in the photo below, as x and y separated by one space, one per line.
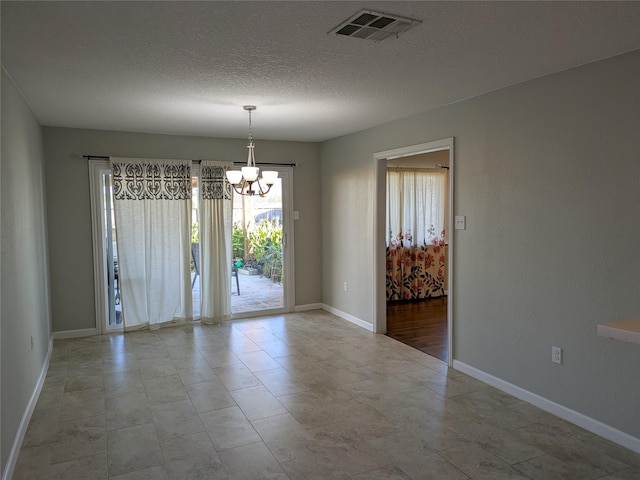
624 330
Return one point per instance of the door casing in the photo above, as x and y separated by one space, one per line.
379 243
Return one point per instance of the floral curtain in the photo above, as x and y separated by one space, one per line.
415 272
152 203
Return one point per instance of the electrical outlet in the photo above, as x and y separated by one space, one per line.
556 354
346 287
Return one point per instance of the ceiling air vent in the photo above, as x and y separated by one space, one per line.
374 26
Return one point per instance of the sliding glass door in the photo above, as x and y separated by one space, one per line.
105 251
262 238
258 252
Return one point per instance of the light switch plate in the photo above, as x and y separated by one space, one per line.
461 222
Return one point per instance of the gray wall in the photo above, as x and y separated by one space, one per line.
69 209
24 306
548 174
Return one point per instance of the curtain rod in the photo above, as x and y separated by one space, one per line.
105 157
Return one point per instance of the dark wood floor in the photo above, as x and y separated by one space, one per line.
421 324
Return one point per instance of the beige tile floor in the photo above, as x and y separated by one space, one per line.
298 396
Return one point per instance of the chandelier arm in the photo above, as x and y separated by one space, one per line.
262 191
239 187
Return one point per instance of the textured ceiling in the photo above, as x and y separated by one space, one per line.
188 67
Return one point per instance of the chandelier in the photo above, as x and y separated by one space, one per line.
246 180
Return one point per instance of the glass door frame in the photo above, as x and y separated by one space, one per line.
285 173
102 293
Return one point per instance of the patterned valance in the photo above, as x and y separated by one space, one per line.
213 180
144 179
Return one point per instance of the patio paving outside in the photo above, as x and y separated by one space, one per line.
256 294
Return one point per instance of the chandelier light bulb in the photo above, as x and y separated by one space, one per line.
234 177
250 174
269 176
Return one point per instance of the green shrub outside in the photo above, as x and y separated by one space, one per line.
265 243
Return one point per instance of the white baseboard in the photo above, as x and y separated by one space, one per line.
26 418
307 307
84 332
588 423
348 317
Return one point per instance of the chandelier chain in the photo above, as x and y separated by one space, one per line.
247 181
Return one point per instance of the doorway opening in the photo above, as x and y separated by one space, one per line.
413 274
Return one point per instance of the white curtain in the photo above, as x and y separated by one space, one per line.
152 203
415 206
215 241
